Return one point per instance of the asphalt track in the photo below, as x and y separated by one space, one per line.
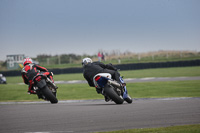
135 80
83 116
97 115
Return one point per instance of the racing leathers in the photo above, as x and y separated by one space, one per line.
91 69
31 70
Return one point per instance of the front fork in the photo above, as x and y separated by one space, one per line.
125 95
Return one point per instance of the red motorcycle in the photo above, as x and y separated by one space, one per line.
45 88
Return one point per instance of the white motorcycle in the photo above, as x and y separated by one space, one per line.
111 88
2 79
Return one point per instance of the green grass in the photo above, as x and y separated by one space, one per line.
172 129
160 72
13 92
163 72
16 92
164 89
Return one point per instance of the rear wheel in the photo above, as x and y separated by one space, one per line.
49 95
110 92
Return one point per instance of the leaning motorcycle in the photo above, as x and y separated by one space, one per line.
111 88
45 88
2 79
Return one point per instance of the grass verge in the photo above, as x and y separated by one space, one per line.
172 129
161 72
15 92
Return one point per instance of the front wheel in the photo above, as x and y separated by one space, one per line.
128 99
110 92
49 95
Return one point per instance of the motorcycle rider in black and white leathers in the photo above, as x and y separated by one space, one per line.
90 69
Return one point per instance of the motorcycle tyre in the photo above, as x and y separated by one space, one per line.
113 95
49 95
129 100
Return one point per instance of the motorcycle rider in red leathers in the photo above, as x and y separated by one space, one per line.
30 70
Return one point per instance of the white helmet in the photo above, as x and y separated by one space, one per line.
86 61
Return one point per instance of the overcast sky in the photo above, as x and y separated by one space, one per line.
33 27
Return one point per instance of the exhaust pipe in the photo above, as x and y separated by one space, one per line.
114 83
